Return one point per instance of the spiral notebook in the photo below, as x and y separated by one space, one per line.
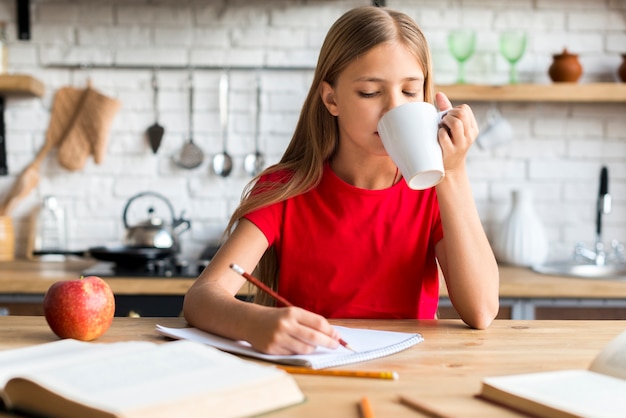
368 343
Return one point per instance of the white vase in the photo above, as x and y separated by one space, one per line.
521 239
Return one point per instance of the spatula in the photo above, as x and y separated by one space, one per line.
155 131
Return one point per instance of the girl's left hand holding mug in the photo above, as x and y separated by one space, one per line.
461 132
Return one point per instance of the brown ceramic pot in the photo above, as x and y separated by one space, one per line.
621 71
565 68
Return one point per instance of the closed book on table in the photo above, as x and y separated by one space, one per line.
597 392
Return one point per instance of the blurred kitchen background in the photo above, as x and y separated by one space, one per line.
557 150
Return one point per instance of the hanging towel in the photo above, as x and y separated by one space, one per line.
88 131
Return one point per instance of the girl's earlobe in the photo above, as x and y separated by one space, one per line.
327 95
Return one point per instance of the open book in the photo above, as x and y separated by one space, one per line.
597 392
70 378
368 343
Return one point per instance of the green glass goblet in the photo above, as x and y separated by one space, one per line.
512 47
462 43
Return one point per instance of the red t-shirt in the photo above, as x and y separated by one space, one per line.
345 252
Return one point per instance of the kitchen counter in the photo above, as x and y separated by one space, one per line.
522 291
30 277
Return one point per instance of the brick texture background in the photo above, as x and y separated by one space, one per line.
557 151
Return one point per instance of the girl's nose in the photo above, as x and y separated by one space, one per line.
394 100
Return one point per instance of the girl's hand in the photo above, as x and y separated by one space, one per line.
291 331
458 133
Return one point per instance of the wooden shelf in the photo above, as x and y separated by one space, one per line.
557 92
21 85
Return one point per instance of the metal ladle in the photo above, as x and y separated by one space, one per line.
191 156
223 163
254 162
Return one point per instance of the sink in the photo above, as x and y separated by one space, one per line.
590 271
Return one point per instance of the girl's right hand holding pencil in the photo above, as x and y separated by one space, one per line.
291 330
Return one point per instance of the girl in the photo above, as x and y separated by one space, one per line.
333 227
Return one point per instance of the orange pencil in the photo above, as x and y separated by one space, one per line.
385 374
275 295
366 408
421 407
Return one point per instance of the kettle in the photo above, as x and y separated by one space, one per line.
154 232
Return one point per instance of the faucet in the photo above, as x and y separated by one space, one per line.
603 207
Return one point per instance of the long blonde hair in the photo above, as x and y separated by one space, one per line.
316 135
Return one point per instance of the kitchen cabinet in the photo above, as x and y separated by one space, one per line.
525 294
549 308
556 92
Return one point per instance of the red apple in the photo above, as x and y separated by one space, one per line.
81 309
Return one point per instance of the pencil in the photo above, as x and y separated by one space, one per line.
366 408
420 407
385 374
238 269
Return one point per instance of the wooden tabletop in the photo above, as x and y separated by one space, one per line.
29 277
444 371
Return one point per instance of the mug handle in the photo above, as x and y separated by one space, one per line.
493 114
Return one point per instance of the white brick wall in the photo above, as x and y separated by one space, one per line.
557 151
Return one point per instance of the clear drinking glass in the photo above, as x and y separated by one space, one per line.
512 47
462 43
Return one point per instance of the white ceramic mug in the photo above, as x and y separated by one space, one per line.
409 134
497 132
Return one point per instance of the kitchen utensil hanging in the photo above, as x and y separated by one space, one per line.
223 162
155 131
253 163
191 156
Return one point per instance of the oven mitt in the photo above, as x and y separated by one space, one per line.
88 133
66 101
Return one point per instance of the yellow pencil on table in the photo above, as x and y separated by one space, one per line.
238 269
366 408
372 374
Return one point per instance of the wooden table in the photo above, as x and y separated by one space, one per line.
444 371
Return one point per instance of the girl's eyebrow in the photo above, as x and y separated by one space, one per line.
379 80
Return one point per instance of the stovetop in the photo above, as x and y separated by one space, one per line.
180 268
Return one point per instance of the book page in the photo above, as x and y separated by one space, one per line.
368 343
612 359
575 392
160 375
57 354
